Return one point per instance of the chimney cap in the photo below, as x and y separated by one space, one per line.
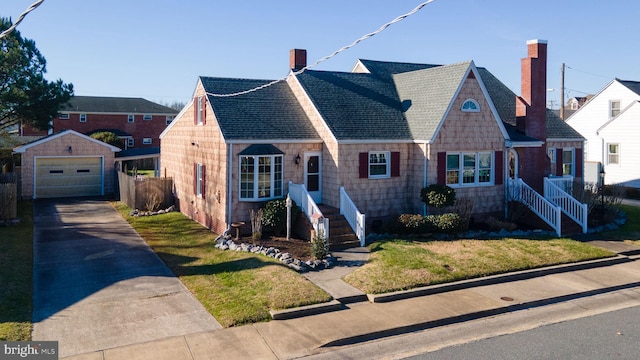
536 41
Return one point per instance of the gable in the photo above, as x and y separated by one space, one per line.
23 148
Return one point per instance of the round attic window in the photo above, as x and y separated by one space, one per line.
470 105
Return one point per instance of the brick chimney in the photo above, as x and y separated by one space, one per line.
297 59
531 108
531 114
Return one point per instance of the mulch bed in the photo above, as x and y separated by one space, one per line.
299 249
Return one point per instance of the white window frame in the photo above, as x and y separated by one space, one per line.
253 179
477 169
147 117
373 159
200 105
551 152
130 142
63 116
131 118
169 119
572 164
199 179
470 105
613 154
147 141
613 110
83 118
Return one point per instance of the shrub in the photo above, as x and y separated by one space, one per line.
464 207
414 223
256 224
275 215
319 246
496 224
438 196
448 223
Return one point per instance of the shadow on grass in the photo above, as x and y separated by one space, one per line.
183 265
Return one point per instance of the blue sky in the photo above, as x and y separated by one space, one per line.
157 49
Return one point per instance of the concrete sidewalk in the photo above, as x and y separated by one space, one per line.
365 321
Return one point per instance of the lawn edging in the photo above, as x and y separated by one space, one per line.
497 279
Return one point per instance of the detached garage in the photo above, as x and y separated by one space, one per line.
67 164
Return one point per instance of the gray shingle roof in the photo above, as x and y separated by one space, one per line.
385 69
272 113
426 95
356 106
101 104
632 85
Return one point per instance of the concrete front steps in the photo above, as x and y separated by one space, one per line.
341 236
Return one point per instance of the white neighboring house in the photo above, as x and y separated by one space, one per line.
610 123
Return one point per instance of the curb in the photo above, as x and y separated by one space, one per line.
496 279
336 305
308 310
474 316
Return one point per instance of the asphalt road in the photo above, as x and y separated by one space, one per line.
613 335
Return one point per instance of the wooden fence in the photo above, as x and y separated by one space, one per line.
147 194
8 196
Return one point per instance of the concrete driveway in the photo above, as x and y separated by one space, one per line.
98 285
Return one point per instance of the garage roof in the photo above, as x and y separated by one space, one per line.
23 148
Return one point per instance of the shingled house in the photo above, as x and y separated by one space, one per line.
372 137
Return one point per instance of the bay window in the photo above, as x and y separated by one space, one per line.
260 177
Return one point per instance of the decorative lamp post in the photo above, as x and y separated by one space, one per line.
602 192
288 203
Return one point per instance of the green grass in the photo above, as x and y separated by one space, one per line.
16 279
402 264
235 287
630 231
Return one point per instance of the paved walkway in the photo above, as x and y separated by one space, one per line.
97 285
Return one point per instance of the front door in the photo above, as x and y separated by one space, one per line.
313 175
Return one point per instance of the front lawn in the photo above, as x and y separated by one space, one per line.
403 264
16 266
235 287
630 231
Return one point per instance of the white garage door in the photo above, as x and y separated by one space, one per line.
68 177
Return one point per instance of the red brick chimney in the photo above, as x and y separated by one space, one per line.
531 108
297 59
531 114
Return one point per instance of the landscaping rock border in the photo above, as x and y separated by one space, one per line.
137 212
226 243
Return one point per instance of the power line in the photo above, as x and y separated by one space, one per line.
20 18
344 48
589 73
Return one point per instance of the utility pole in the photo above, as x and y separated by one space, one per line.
562 92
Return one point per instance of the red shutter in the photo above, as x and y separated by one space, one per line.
559 161
499 175
195 110
195 178
579 163
364 165
442 168
204 110
395 164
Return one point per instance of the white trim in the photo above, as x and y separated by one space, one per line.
523 144
131 118
144 117
313 105
316 195
256 178
387 163
145 142
273 141
23 148
81 116
475 109
180 114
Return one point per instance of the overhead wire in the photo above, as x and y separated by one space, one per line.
325 58
20 18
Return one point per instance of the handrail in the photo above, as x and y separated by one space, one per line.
563 182
574 209
299 194
354 217
546 210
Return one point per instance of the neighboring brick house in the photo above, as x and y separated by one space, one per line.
138 122
609 122
381 133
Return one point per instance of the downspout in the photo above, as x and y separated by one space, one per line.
229 196
505 181
424 180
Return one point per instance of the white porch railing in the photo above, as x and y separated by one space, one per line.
547 211
354 217
563 182
300 195
554 192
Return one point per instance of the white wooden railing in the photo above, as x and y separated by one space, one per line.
547 211
563 182
354 217
554 192
300 195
